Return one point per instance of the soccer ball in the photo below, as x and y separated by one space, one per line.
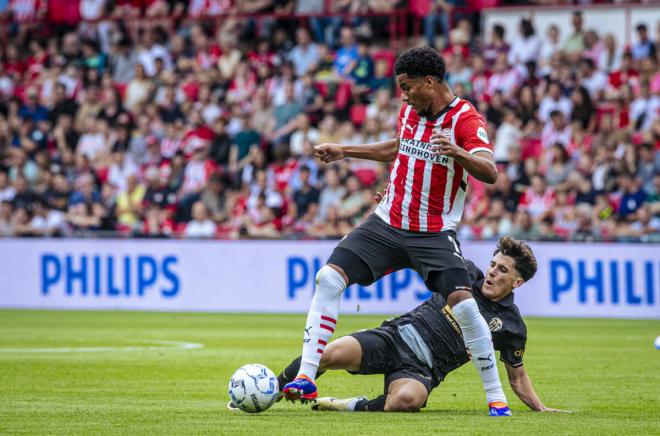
253 388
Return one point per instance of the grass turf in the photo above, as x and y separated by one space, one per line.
606 371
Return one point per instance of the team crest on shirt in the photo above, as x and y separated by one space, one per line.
446 132
495 324
481 134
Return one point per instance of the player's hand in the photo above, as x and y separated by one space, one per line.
442 146
551 410
378 196
327 153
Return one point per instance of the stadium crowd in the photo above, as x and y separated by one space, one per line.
202 130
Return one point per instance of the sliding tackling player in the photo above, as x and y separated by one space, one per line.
418 349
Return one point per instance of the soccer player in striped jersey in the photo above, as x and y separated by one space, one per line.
441 140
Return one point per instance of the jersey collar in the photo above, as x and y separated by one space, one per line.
506 301
446 109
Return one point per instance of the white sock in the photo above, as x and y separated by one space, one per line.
350 406
321 319
479 342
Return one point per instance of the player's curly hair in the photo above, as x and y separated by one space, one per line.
522 254
420 62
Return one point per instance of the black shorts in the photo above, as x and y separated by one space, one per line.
385 248
385 352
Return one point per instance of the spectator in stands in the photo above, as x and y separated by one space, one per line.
306 198
610 57
354 202
549 47
557 131
137 89
347 55
527 48
362 74
508 135
201 226
574 44
439 15
285 115
593 80
648 166
332 194
524 227
504 78
632 198
497 45
305 54
214 197
644 47
129 202
32 110
305 134
553 101
583 111
645 108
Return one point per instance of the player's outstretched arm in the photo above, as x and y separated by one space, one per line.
384 151
522 386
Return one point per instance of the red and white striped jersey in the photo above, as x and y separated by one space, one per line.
426 193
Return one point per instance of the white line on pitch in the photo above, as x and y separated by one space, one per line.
173 345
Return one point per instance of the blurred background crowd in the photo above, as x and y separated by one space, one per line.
203 124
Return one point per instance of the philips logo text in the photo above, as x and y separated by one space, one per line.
109 275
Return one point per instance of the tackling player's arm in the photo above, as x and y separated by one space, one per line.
384 151
512 350
521 384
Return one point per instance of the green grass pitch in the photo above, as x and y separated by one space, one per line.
606 371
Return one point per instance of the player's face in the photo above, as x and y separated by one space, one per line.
416 92
501 278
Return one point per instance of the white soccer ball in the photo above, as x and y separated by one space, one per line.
657 343
253 388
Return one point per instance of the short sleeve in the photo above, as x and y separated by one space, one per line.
512 351
471 133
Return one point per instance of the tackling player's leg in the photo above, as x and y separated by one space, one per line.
403 395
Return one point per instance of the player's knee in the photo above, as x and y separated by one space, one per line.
330 280
452 283
404 401
330 356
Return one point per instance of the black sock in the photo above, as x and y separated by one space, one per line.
291 371
375 405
